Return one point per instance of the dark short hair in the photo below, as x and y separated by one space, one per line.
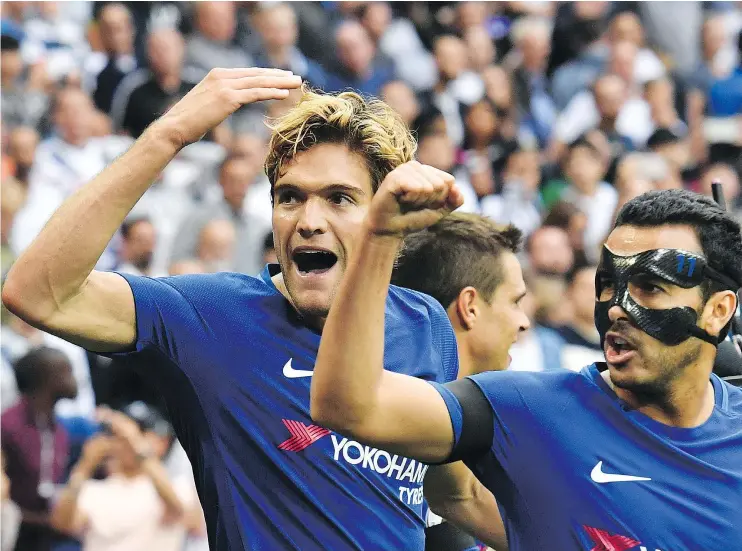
32 369
719 234
9 43
583 142
578 266
662 136
458 251
129 224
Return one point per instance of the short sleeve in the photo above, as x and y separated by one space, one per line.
520 402
165 316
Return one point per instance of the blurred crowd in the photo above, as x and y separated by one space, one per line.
551 115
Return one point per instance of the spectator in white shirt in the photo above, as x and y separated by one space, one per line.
62 164
587 191
137 506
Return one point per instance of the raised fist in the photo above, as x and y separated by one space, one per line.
413 196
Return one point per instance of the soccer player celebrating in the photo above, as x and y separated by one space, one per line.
643 455
465 261
233 354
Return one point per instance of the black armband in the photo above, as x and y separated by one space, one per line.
477 426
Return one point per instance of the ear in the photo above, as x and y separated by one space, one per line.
718 311
466 307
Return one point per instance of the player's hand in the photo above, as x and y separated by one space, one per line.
413 196
220 94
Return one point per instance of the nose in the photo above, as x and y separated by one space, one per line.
615 313
312 219
525 324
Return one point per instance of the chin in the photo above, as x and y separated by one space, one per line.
312 304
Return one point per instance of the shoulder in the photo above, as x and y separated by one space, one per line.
403 302
12 417
216 289
133 81
735 398
528 386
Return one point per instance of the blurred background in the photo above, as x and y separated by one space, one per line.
551 115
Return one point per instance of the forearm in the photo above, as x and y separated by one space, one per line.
476 514
156 472
64 514
57 263
350 361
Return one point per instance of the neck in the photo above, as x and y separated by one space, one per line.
41 406
469 363
168 82
279 57
315 323
687 403
607 125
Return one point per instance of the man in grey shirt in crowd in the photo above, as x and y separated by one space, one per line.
235 177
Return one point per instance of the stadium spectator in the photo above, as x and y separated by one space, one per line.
235 177
138 241
105 70
398 95
457 85
213 42
358 67
612 75
532 41
549 251
216 243
35 445
24 96
519 201
145 94
589 192
22 144
581 339
276 23
137 505
725 95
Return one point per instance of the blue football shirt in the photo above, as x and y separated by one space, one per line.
574 468
234 362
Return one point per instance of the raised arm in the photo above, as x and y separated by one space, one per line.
52 285
351 392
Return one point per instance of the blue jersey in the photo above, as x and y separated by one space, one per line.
573 468
234 362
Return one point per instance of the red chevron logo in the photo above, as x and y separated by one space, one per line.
609 542
302 436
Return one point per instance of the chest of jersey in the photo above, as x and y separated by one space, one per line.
602 482
284 465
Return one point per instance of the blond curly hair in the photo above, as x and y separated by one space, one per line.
368 127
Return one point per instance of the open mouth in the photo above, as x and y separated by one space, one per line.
617 349
313 261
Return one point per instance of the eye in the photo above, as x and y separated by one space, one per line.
605 281
287 196
340 198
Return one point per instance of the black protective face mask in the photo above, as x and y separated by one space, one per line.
670 326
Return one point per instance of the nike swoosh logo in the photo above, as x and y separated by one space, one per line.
600 477
291 373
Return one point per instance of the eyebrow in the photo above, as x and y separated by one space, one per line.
325 188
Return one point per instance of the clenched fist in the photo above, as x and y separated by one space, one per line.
220 94
413 196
